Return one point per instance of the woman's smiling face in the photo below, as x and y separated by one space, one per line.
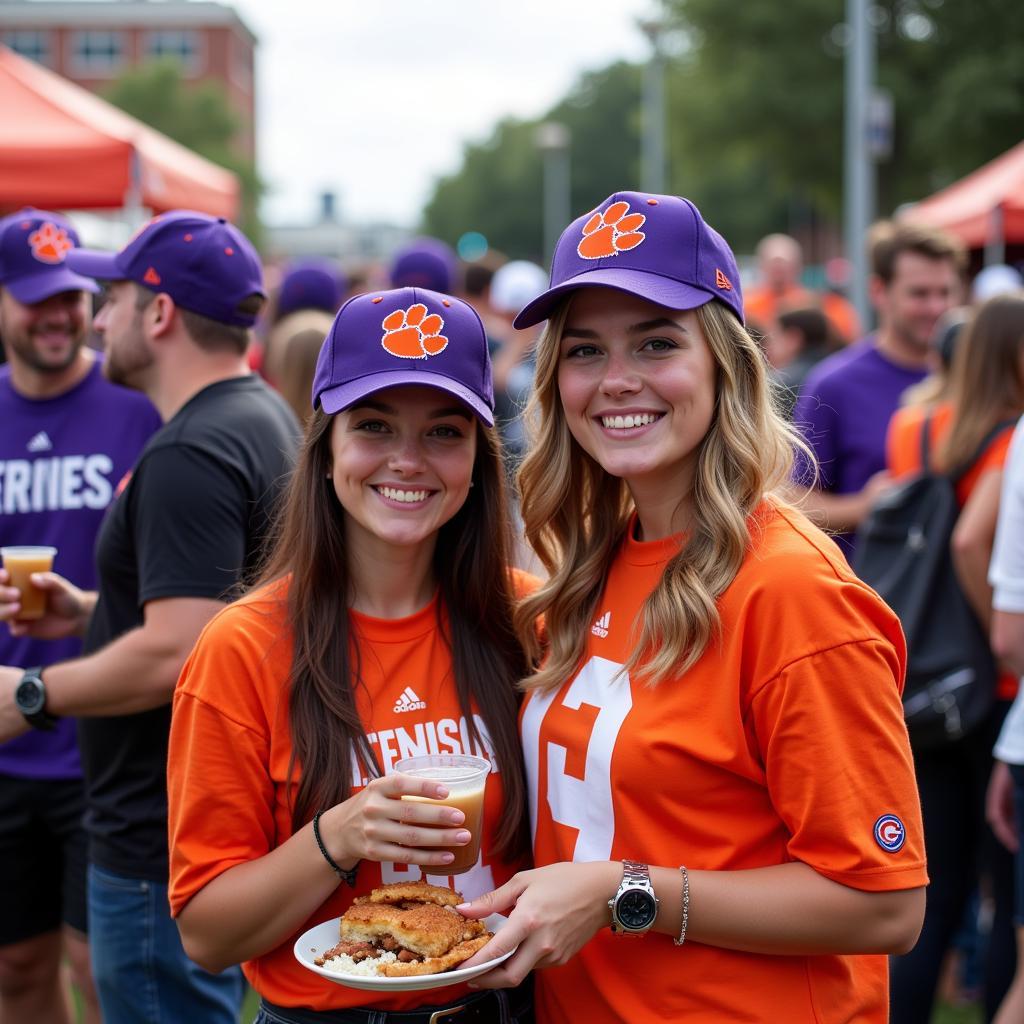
637 385
402 462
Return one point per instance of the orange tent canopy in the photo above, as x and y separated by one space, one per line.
986 206
62 147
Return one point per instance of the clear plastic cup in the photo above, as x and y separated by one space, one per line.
21 562
465 778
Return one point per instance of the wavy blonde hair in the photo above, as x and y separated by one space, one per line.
575 514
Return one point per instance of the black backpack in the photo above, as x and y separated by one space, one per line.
903 552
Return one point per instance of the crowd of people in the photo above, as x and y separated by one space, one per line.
604 523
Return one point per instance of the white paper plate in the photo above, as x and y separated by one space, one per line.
325 936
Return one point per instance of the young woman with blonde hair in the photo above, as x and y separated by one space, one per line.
715 749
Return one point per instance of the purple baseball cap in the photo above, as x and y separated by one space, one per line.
311 284
204 263
425 263
407 336
656 247
33 256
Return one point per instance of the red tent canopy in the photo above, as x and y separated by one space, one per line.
987 206
62 147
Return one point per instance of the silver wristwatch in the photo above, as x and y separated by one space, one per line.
634 906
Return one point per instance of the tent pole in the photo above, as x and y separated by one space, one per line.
995 246
133 212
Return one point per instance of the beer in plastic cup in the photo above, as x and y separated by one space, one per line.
465 778
21 562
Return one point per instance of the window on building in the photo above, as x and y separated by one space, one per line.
31 43
183 45
97 52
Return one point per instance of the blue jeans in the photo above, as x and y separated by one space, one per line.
142 973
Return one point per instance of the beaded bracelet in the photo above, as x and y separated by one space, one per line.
686 906
348 877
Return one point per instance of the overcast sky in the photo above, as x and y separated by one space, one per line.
374 100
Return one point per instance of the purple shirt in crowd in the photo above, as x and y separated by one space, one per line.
844 412
61 460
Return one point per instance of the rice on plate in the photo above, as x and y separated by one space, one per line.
342 964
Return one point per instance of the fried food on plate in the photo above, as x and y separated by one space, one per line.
411 928
426 928
416 892
436 965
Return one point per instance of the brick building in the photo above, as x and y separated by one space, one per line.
92 42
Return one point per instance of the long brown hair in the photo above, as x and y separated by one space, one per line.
987 377
575 513
476 602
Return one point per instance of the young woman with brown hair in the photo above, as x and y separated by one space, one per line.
382 627
715 749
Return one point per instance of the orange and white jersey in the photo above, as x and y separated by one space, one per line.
785 742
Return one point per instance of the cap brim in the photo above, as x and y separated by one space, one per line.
32 288
333 400
664 291
103 266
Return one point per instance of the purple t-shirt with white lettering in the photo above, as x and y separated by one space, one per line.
844 412
61 460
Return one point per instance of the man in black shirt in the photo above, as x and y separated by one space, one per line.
185 529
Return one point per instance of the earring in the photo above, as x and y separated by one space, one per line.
472 483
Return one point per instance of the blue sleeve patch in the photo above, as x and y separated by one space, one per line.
890 833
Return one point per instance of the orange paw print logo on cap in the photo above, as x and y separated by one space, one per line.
413 333
50 243
609 233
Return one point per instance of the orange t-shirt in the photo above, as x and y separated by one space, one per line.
228 762
903 457
785 742
761 306
903 445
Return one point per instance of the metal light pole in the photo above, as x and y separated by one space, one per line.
859 173
652 167
552 140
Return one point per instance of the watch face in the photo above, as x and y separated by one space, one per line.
29 697
636 909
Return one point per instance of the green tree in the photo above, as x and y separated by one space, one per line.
499 187
757 100
198 116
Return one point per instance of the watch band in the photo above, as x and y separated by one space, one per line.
636 873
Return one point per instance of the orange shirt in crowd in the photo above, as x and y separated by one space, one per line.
762 306
785 742
228 761
903 457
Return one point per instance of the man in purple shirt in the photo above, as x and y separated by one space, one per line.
848 399
69 436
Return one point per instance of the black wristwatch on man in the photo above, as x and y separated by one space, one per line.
30 698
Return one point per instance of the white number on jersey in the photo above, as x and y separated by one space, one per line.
584 804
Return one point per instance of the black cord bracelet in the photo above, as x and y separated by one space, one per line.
348 877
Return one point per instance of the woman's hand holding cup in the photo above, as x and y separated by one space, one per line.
377 824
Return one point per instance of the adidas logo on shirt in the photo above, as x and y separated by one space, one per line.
40 443
600 627
408 701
